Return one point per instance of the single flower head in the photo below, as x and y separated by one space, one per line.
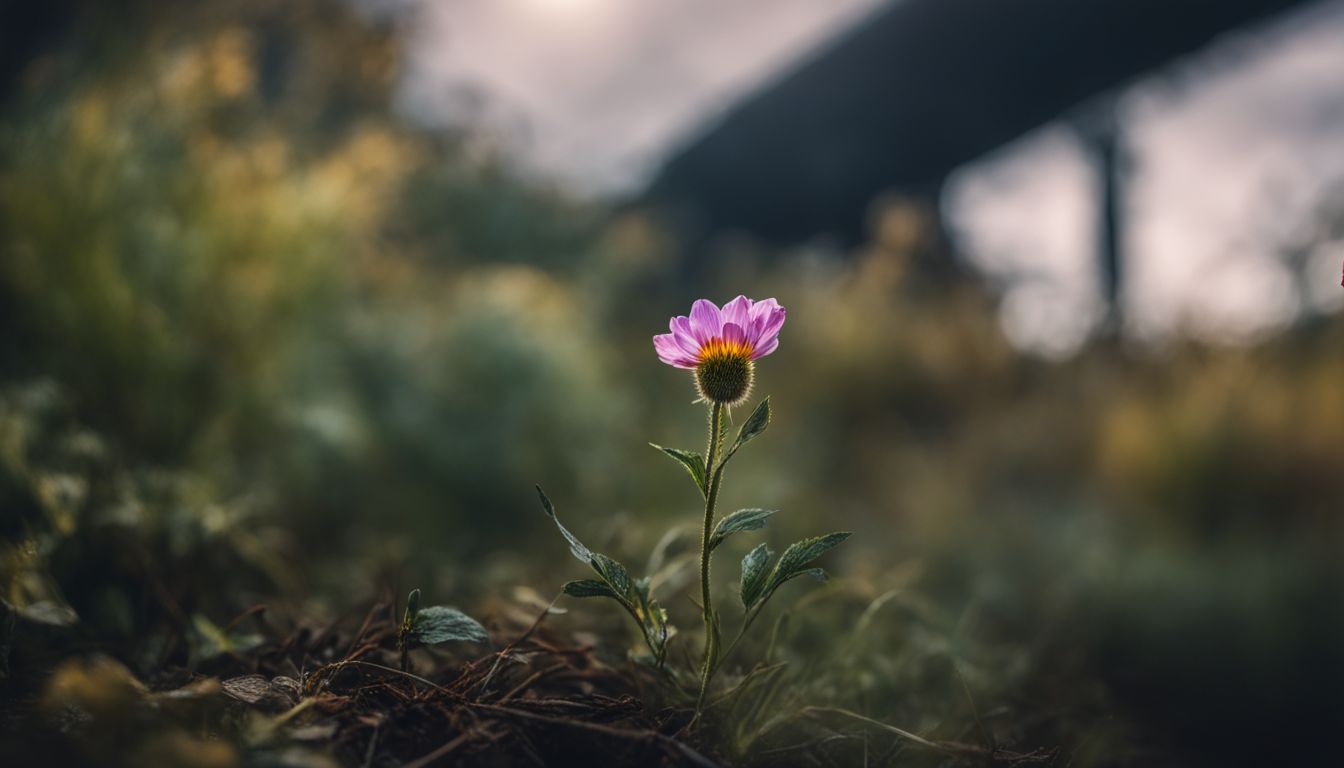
720 345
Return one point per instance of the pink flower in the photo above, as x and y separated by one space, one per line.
743 330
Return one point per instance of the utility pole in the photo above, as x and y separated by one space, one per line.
1100 132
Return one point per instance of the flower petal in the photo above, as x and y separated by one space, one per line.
706 323
681 331
733 334
665 344
766 315
766 348
670 352
767 326
763 308
738 311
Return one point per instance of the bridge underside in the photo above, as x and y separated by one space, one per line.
923 87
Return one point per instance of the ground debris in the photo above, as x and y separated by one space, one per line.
318 697
255 689
327 696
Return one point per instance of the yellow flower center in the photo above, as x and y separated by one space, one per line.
725 371
720 351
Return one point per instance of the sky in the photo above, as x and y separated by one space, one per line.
1228 161
1230 165
596 92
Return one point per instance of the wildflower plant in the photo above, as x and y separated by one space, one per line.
433 625
720 347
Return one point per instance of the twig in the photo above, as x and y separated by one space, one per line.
342 664
499 656
368 623
252 611
292 712
606 730
369 751
442 751
533 678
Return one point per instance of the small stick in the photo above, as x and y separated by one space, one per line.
499 656
258 608
340 664
533 678
442 751
606 730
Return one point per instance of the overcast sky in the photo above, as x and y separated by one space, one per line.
595 92
1226 165
1229 165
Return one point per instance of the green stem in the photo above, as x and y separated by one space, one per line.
711 496
746 624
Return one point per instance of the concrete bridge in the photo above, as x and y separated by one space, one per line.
921 88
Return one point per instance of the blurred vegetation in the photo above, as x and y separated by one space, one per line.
266 340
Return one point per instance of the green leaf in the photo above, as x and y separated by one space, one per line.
441 624
803 552
614 574
692 461
753 426
653 620
738 522
575 546
616 584
754 571
816 573
588 588
755 423
799 554
412 608
211 641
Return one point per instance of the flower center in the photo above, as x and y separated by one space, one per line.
718 350
725 371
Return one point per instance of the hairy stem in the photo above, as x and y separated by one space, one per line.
711 496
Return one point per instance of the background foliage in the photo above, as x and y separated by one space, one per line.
264 340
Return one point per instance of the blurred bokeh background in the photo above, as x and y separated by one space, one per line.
298 300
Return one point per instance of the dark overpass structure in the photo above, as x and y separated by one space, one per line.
919 89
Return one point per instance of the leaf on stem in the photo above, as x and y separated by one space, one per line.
738 522
791 565
613 573
576 547
653 619
692 461
412 608
588 588
754 572
615 583
751 428
441 624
